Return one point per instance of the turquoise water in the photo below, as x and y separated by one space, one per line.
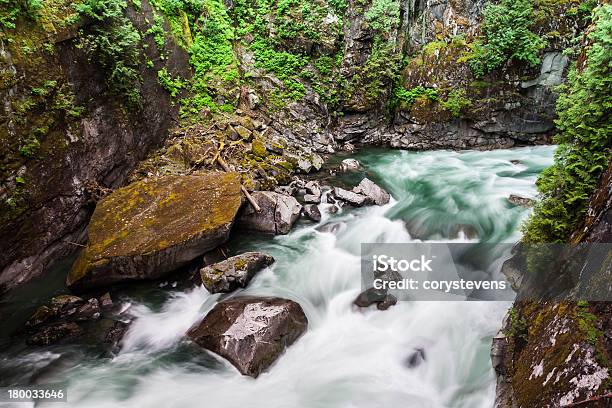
348 357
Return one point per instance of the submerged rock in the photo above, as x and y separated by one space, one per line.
350 165
416 358
332 227
250 332
371 190
153 227
350 197
521 201
312 212
235 272
278 213
379 297
53 334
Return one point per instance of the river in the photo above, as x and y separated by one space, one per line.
348 357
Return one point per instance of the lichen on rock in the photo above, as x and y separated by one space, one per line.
152 227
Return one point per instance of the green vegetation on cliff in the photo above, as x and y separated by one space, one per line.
584 139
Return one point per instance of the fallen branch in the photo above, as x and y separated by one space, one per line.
248 196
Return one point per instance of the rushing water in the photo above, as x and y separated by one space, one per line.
348 357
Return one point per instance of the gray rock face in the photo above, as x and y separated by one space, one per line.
312 212
278 213
371 190
350 197
250 332
551 72
235 272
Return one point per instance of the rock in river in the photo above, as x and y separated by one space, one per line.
371 190
278 213
250 332
153 227
350 197
235 272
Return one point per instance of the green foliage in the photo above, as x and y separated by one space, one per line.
456 102
11 10
406 97
383 15
158 33
172 85
114 43
584 140
518 325
507 36
587 323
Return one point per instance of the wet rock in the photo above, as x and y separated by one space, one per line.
521 201
55 333
235 272
371 190
89 311
379 297
332 227
106 303
312 199
277 216
115 335
250 332
64 303
350 165
350 197
42 315
387 302
416 358
312 212
153 227
314 192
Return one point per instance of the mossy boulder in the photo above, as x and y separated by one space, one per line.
235 272
153 227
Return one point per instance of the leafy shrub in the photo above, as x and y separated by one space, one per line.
114 43
406 97
506 29
584 140
456 102
383 15
10 10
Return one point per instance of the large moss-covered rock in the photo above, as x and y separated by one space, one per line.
152 227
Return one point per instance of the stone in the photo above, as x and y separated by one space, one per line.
312 212
243 132
55 333
277 216
250 332
106 303
387 302
371 190
312 199
350 165
153 227
332 227
369 297
235 272
350 197
89 311
63 303
115 335
313 188
42 315
521 201
416 358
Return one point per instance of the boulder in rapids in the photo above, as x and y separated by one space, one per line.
278 213
153 227
520 200
235 272
351 197
312 212
374 192
250 332
350 165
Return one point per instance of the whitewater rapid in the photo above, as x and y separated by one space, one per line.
348 357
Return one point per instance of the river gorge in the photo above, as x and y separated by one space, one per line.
348 356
